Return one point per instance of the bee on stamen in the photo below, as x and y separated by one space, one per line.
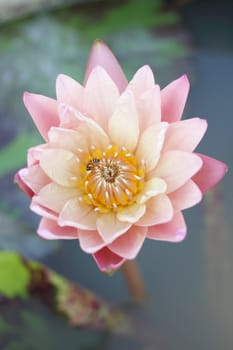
92 164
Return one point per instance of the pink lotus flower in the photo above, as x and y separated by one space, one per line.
117 165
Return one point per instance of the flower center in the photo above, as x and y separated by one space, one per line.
112 178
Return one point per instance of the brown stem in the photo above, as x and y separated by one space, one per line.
134 280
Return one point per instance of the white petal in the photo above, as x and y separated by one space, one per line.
124 125
61 166
109 227
158 210
77 213
87 127
131 213
150 145
151 188
54 196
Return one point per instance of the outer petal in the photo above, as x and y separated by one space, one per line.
185 135
173 99
176 168
149 106
34 177
124 124
102 56
19 181
107 261
69 91
43 111
109 227
186 196
49 229
77 213
158 210
150 145
54 196
142 81
211 172
100 97
90 241
173 231
61 166
43 211
130 243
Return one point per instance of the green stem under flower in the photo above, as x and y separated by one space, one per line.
134 280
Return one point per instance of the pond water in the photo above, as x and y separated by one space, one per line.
190 284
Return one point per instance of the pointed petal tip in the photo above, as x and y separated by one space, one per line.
107 261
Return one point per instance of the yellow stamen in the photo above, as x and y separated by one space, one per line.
112 178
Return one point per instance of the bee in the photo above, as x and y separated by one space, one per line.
92 163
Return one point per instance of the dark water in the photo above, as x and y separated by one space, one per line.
190 285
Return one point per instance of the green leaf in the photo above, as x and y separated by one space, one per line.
14 276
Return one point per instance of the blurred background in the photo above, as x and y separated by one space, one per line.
190 285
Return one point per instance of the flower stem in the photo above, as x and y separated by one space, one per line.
134 280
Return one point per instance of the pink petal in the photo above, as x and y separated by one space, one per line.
34 177
43 111
18 180
172 231
90 241
107 261
142 81
102 56
124 124
176 168
61 166
211 172
55 197
87 127
150 145
77 213
159 210
69 91
68 139
100 97
109 227
149 106
185 135
42 211
173 99
49 229
130 243
186 196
